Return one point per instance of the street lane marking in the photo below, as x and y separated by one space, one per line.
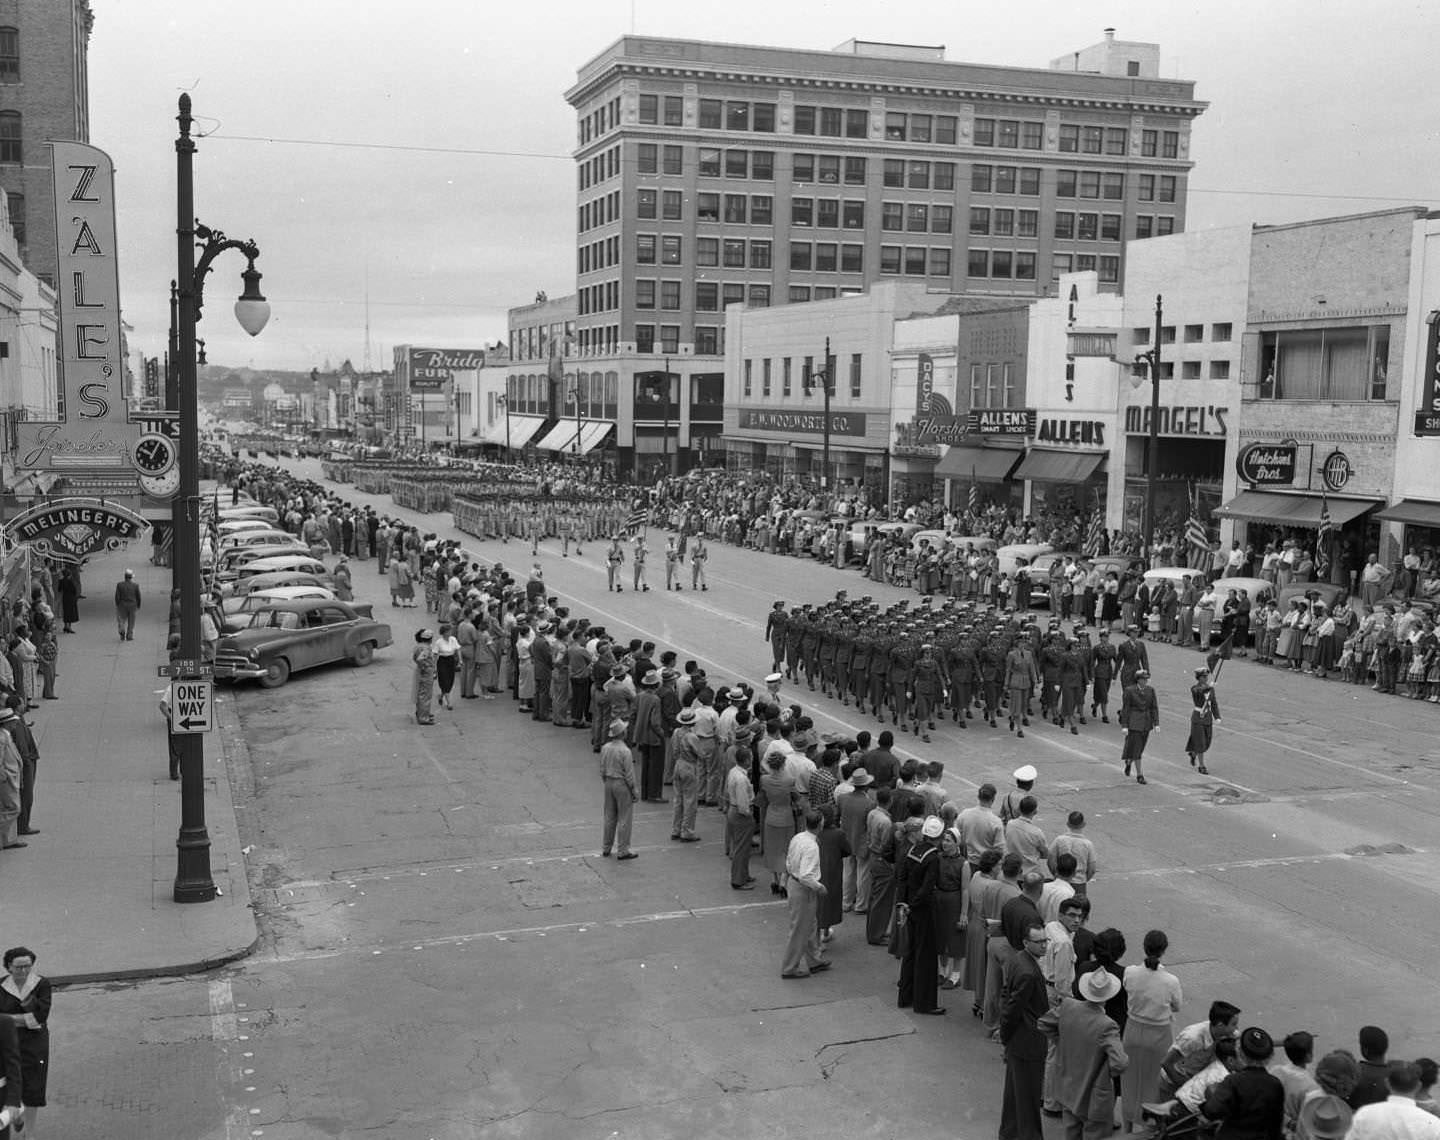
225 1032
1370 772
1249 864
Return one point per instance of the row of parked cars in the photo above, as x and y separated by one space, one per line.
278 612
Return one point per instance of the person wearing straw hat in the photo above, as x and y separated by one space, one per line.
1088 1056
1323 1116
617 773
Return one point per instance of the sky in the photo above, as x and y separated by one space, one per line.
420 152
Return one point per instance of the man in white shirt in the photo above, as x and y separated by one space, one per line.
1057 890
804 890
1397 1117
1057 966
980 828
737 799
1074 842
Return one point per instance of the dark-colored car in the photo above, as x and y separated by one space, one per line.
286 637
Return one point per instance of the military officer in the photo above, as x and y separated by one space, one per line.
825 654
902 672
963 667
775 622
992 675
880 672
1102 672
1132 657
794 638
859 680
810 646
699 555
928 686
844 654
672 565
1021 677
1073 676
637 562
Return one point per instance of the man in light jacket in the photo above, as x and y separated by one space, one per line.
1088 1055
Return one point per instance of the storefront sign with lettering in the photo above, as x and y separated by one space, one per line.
1192 419
1051 430
1003 421
1267 464
805 423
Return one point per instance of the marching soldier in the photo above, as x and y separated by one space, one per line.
1102 672
699 555
1073 675
775 623
534 530
810 646
902 674
614 559
859 680
825 654
963 667
992 675
929 689
844 654
1021 677
1203 718
638 564
1049 662
879 674
794 638
672 564
1133 657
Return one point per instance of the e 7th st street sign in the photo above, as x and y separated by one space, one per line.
192 706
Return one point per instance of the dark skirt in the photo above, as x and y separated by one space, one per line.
1134 745
949 942
1201 735
445 671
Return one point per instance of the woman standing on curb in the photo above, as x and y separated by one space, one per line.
447 663
424 657
1154 997
25 1000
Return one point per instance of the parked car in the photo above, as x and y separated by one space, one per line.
242 587
301 563
253 538
1010 557
236 558
237 611
1121 564
1040 569
286 637
1258 589
225 527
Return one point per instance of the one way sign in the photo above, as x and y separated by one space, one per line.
192 706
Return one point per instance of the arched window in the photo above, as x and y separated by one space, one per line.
10 148
9 55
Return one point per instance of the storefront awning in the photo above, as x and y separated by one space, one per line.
1293 510
522 430
1413 512
983 464
592 432
1050 465
562 436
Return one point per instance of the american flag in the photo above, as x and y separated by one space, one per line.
1197 538
636 520
1095 535
1322 537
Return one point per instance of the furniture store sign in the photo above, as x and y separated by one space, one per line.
432 368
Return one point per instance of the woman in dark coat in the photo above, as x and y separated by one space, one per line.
25 1000
949 938
834 849
69 599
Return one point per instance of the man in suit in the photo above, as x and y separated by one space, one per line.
1022 1004
647 734
1139 717
1088 1055
127 605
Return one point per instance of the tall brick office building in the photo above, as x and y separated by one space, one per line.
713 174
44 94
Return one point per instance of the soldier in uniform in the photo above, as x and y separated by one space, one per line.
992 669
1021 677
614 559
879 671
929 689
1203 718
534 530
810 646
859 680
825 654
1133 657
775 622
1102 672
1073 676
572 528
672 565
699 555
1049 662
794 636
844 654
963 667
638 564
902 674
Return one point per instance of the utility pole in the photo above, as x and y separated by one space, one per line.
1152 457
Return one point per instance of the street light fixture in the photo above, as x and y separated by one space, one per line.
193 882
504 401
1151 360
826 381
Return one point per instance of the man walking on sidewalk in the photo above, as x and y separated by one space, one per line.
127 605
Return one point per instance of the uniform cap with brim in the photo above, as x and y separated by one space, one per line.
1026 773
774 679
932 827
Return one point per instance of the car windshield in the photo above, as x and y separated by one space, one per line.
274 619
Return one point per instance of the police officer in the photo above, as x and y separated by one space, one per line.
1203 718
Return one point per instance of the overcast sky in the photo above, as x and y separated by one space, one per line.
460 202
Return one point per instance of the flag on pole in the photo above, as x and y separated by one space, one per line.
635 520
1197 538
1095 534
974 500
1219 655
1323 535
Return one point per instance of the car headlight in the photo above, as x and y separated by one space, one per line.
253 654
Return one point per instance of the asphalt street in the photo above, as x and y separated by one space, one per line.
446 954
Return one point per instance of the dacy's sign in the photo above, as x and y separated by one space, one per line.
935 421
93 432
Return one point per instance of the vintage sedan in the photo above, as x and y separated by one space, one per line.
285 637
237 611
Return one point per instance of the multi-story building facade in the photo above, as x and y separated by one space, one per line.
719 174
44 95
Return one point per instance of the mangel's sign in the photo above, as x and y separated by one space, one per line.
1198 419
1267 464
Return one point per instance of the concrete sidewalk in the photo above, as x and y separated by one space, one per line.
92 894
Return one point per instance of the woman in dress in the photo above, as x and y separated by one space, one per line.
487 662
344 584
834 849
447 663
1288 644
981 886
402 593
949 912
424 657
69 599
1154 997
525 669
1203 718
25 1000
777 801
23 649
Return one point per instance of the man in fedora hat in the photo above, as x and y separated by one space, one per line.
617 773
1325 1116
855 807
1088 1056
647 733
127 605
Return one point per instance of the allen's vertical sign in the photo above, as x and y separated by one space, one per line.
93 432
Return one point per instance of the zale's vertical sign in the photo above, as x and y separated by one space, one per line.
93 431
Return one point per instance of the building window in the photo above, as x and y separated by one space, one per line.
831 120
979 263
941 219
1167 188
672 204
1007 134
733 253
645 204
644 338
981 178
649 108
894 172
645 295
915 261
945 129
1025 265
830 169
712 114
1325 364
785 376
854 171
1167 334
707 251
799 294
736 208
855 375
1069 139
670 338
852 258
1170 144
1089 184
892 216
827 257
1146 191
750 377
802 168
894 126
1114 187
1116 140
917 218
708 163
1001 263
800 255
757 296
674 111
670 250
984 132
1220 331
802 211
762 165
1194 334
16 204
737 164
1004 223
1149 142
1065 183
707 340
765 377
979 220
1144 225
920 128
673 160
827 214
939 261
889 259
1109 227
761 209
759 254
707 296
9 55
853 215
857 124
1164 225
1032 136
1219 370
670 295
1060 263
1190 370
647 156
644 249
1064 225
804 120
737 116
1092 140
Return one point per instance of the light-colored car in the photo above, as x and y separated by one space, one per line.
272 581
226 527
227 568
1040 569
301 563
1258 590
238 605
1009 557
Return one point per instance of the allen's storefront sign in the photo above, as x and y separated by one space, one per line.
93 432
1003 421
73 529
1427 414
800 423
